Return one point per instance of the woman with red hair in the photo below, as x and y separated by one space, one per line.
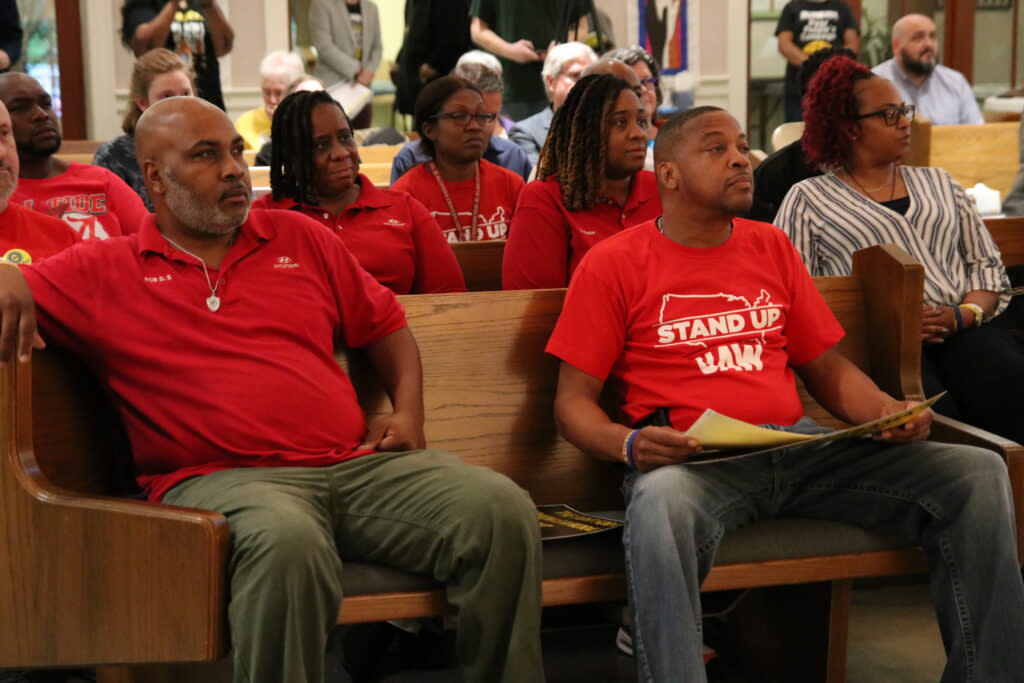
857 130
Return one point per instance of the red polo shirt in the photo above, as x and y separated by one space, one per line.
499 192
392 236
547 241
28 236
254 384
93 201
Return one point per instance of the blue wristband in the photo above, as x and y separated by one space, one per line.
959 317
629 448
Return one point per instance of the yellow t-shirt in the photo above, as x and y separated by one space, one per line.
254 127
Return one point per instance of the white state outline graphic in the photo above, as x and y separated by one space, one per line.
764 296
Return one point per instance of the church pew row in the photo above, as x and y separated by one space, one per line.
93 579
978 153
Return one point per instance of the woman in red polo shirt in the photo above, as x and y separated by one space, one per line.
314 170
471 198
591 184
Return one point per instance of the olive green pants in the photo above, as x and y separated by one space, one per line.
422 511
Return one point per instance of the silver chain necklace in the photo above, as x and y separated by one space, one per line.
213 301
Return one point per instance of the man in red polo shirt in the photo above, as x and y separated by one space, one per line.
701 309
91 200
25 236
215 330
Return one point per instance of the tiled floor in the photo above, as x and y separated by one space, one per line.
893 639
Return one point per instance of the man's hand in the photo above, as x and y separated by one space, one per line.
5 60
915 430
396 432
522 52
18 325
427 73
655 447
937 323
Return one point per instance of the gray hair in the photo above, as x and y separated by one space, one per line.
482 69
633 54
561 54
282 64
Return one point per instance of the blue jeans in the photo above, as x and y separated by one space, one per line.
953 500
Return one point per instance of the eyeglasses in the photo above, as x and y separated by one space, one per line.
651 82
572 76
462 118
892 114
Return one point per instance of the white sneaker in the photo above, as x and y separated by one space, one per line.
624 641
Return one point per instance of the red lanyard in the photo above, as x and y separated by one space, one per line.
451 205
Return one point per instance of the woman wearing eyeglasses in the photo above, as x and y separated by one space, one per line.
314 169
471 198
857 129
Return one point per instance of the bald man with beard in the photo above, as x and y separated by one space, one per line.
215 328
941 94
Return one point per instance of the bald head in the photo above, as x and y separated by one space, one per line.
614 67
174 121
909 23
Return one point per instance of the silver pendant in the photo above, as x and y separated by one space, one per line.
213 303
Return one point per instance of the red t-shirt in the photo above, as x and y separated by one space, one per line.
689 329
28 236
499 191
92 200
254 384
547 241
392 236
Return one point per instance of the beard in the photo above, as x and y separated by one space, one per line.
208 219
919 67
8 182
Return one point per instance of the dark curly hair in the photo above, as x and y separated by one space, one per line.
831 100
291 146
575 151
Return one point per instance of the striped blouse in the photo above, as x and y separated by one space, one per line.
827 221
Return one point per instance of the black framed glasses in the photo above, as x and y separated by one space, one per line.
891 114
461 118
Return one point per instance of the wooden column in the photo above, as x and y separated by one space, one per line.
72 74
958 37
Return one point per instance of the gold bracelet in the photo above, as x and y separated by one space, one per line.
979 314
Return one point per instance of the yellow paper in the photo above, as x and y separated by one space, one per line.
714 430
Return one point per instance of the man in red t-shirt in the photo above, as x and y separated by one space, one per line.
25 236
215 329
700 309
93 201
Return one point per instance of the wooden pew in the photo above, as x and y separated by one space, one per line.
1008 234
379 174
481 264
91 579
982 153
379 154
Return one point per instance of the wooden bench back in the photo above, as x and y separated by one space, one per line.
379 174
379 154
481 264
489 387
1008 234
978 153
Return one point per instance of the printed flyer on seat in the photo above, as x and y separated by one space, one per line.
562 521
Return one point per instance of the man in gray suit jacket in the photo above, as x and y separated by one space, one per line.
1014 204
562 68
